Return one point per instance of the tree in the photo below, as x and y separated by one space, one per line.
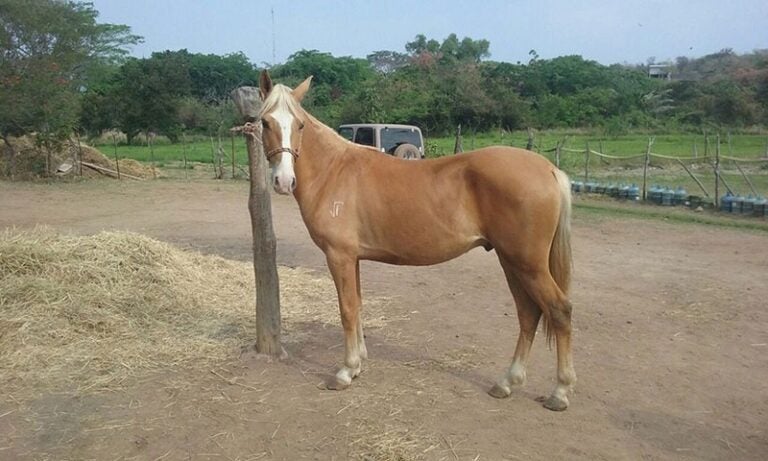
335 80
49 49
148 94
213 77
387 62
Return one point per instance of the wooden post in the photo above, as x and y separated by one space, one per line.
586 164
529 144
117 160
151 155
645 168
184 153
79 154
248 103
717 174
746 178
701 186
213 159
232 138
457 147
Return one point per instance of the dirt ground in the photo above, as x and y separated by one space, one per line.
671 350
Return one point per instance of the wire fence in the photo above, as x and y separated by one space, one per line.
728 183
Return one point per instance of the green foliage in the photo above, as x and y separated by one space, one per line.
168 93
62 70
49 51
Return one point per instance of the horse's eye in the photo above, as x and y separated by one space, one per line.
301 126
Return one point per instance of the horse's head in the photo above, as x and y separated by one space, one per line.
282 120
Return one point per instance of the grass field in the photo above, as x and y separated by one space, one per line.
681 144
165 153
662 172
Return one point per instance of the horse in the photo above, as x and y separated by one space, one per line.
360 204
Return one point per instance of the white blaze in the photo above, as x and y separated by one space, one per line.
283 173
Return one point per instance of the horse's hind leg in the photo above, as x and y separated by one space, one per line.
345 275
557 314
360 335
528 315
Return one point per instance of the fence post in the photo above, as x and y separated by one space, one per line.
117 159
457 147
586 163
248 104
557 153
232 138
717 174
151 155
184 153
529 144
645 168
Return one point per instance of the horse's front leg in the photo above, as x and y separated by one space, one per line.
344 269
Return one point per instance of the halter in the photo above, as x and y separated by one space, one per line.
278 150
293 152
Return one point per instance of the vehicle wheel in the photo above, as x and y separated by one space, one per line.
407 152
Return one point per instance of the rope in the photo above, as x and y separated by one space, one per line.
702 158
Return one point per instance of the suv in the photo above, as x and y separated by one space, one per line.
402 141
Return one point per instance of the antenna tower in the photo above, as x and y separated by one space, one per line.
274 59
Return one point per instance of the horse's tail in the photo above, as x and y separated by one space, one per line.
560 259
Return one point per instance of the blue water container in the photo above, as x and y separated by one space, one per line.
759 207
577 186
624 192
738 202
681 196
667 197
726 203
654 195
633 193
748 207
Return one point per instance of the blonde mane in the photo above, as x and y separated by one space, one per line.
281 97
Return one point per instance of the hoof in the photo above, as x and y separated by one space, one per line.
499 392
555 403
334 384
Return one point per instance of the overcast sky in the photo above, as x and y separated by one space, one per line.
607 31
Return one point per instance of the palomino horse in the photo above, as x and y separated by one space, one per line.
358 203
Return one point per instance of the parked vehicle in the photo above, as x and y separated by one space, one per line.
402 141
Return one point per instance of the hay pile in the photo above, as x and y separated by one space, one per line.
80 313
30 160
127 165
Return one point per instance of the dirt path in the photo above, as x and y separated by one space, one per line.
670 350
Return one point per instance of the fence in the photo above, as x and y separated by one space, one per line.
726 182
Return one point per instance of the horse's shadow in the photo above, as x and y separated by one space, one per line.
316 349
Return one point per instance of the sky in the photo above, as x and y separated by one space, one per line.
628 31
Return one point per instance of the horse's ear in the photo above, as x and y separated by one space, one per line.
302 89
265 84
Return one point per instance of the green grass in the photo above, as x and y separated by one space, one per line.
168 154
600 208
681 145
